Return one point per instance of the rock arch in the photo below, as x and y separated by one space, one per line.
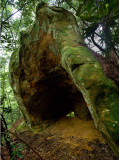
54 72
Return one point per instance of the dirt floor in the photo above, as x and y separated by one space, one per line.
67 139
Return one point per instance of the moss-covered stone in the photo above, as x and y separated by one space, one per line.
55 69
100 93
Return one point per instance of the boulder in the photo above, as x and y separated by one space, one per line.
54 73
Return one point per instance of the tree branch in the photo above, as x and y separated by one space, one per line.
14 13
2 18
100 48
10 30
115 50
17 11
71 6
24 143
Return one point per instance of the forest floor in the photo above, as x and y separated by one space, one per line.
67 139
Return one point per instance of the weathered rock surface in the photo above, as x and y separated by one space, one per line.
53 73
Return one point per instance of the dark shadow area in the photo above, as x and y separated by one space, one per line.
56 97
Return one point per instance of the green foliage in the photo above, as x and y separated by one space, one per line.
71 114
15 16
93 14
99 20
8 105
17 150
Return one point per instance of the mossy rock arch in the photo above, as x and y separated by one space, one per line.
54 73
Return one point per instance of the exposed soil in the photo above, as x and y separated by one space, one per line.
67 139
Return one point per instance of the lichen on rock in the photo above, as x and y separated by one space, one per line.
56 74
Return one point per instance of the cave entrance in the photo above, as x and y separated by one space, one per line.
57 97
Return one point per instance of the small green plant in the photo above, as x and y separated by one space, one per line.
71 114
17 150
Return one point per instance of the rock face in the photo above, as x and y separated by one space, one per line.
43 88
53 73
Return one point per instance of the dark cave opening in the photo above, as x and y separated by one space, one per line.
57 97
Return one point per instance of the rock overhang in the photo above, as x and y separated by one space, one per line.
48 70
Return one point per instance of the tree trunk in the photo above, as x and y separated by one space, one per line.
54 73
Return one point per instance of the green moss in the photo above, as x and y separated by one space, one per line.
23 127
35 31
30 34
44 27
100 92
41 127
77 55
14 61
108 111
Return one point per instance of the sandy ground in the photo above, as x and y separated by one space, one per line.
67 139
